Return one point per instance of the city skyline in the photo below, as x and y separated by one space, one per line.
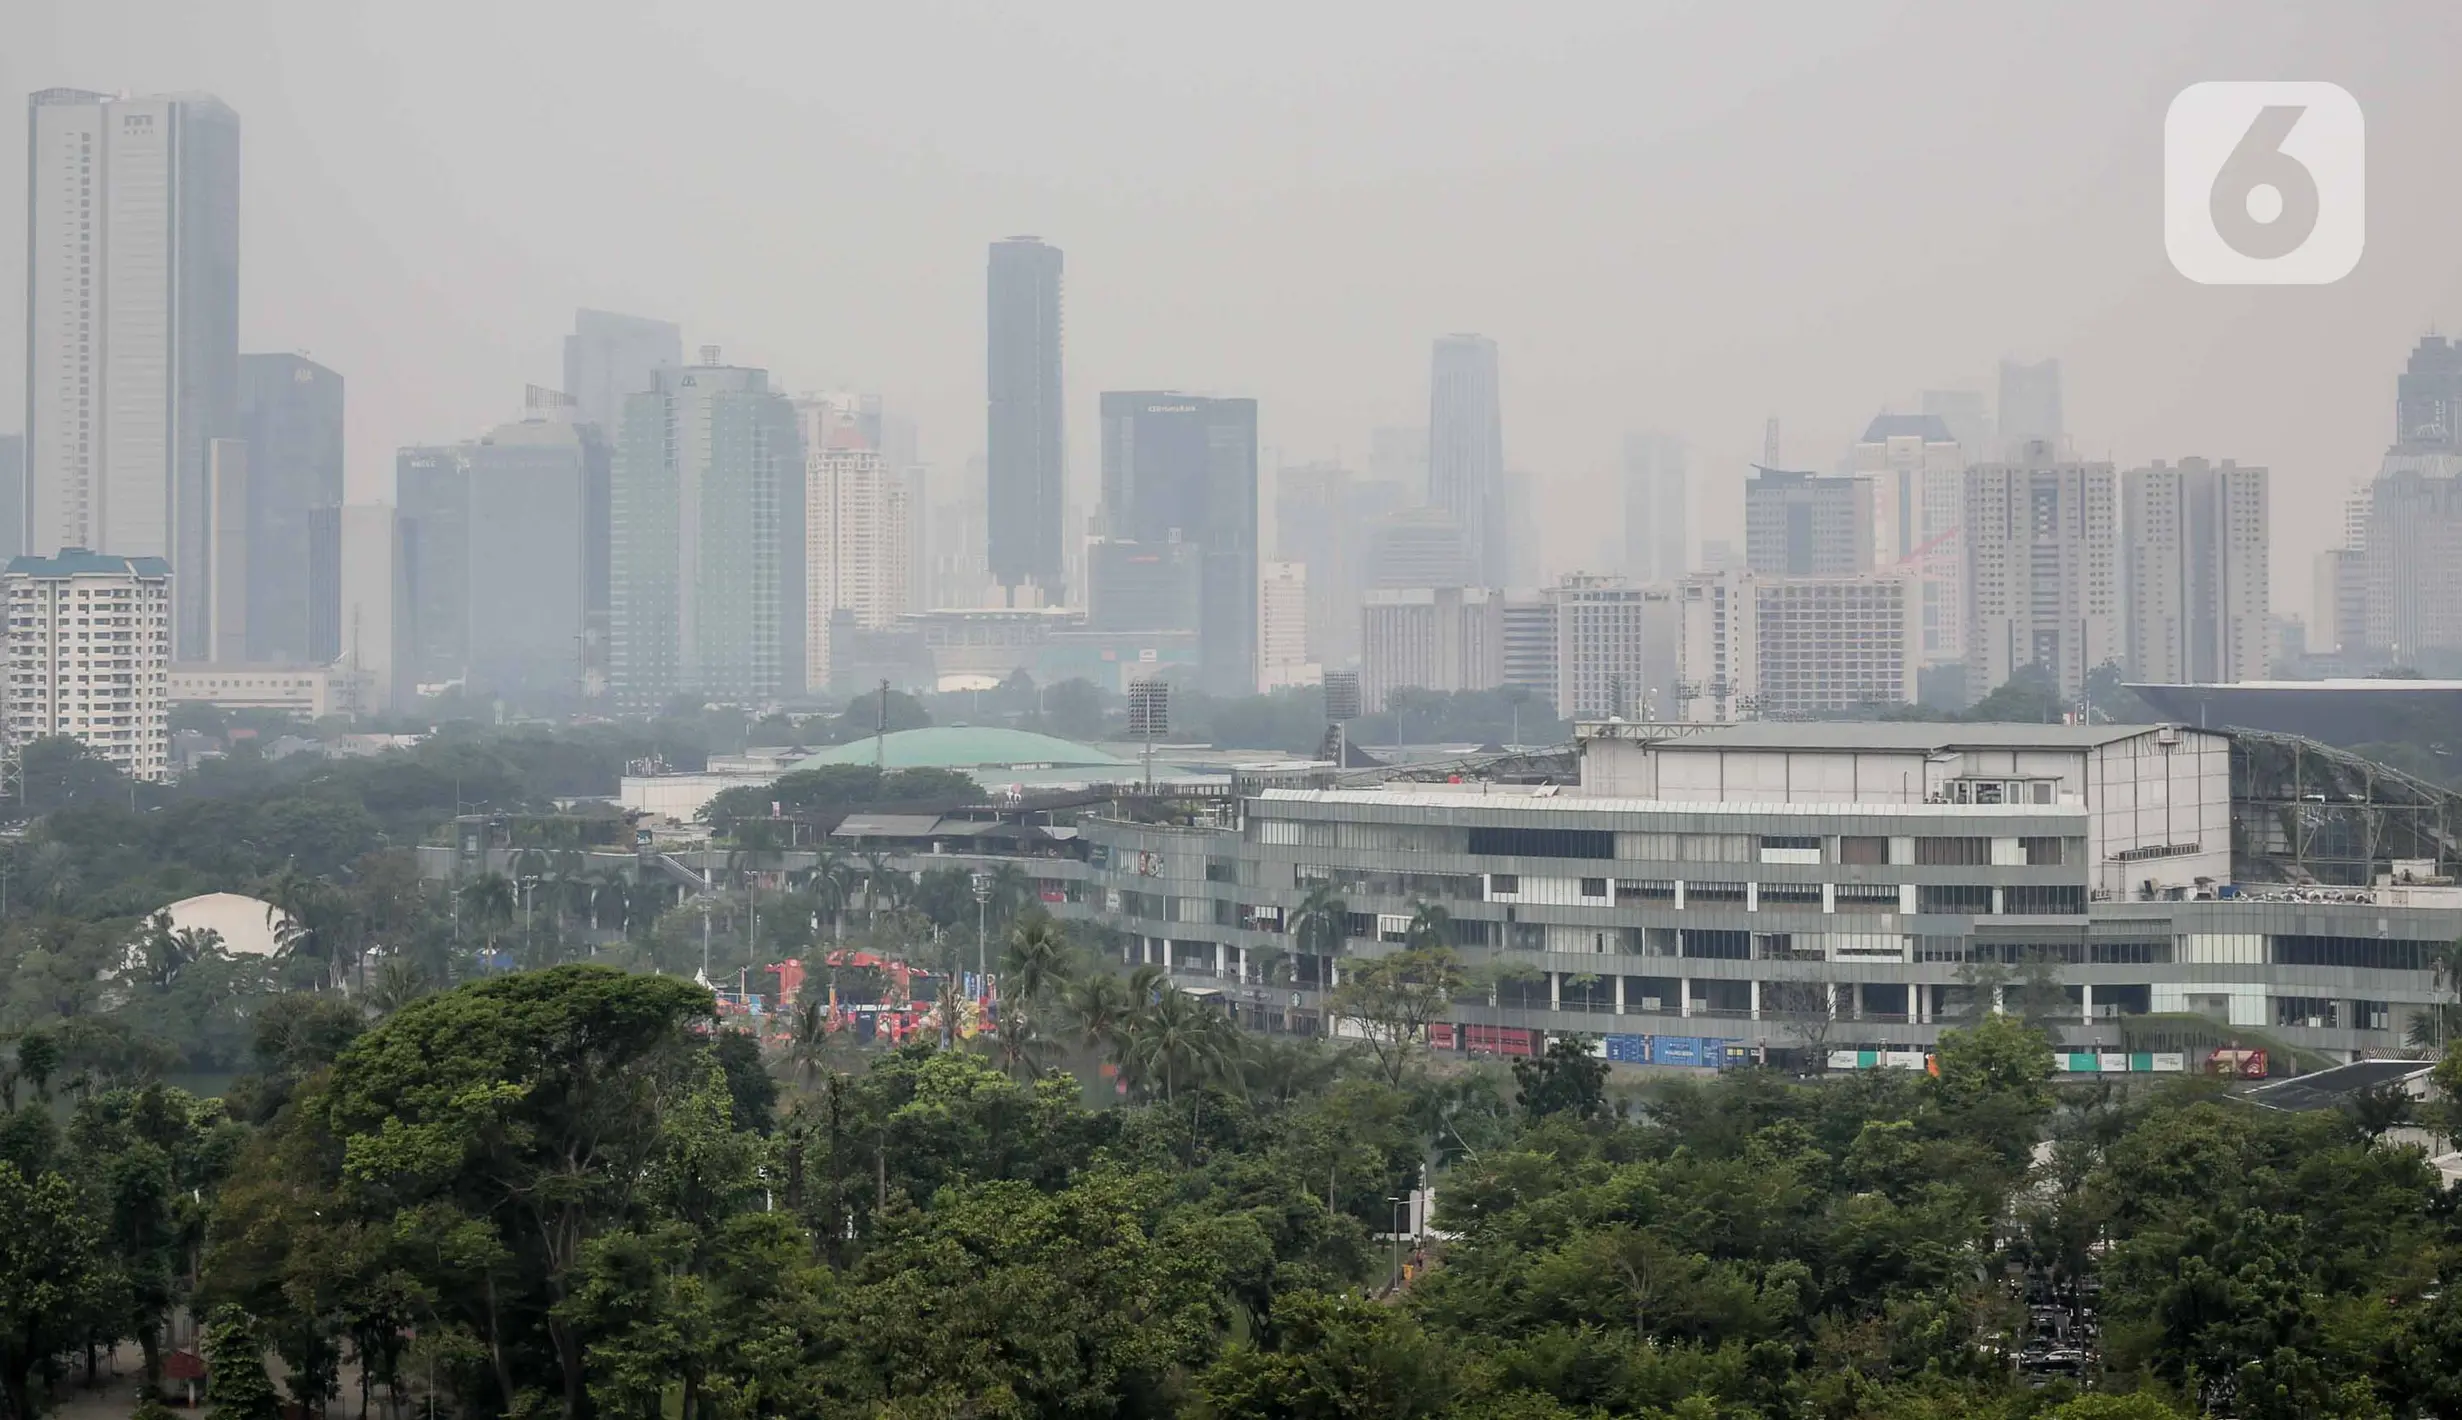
386 279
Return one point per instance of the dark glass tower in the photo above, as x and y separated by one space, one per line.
1183 468
290 412
1026 465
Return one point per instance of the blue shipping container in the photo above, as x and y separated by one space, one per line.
1630 1049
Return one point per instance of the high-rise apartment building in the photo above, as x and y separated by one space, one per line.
707 545
1429 638
1615 647
132 326
1319 523
431 488
1181 467
857 539
2196 572
1752 647
89 655
1529 620
1026 469
12 496
1917 467
1806 525
2042 569
1657 509
536 550
2030 411
2428 396
609 356
1466 449
1283 656
290 414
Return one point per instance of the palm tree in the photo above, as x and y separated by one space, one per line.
397 984
488 901
1099 1005
1178 1041
833 883
810 1044
1321 921
1430 927
882 885
1018 1046
52 878
1038 959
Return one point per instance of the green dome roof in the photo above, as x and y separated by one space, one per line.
966 747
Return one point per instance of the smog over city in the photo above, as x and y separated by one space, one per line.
746 708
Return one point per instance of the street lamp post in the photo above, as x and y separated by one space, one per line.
983 910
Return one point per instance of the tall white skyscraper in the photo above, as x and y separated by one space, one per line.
1657 508
1466 449
89 655
2195 556
132 327
609 356
1284 656
2042 569
857 539
1917 466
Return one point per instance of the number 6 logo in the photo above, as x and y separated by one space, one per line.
2264 184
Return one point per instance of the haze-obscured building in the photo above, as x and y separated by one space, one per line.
1182 466
89 655
1466 450
609 356
1752 647
1800 524
1917 466
1657 508
290 415
1026 467
2196 572
2042 570
132 326
1429 638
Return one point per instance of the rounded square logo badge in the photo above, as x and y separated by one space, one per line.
2264 183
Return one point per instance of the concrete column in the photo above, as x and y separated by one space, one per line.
1333 973
1619 993
2085 1004
1555 991
1756 998
1752 897
1679 894
1684 995
1829 897
1222 962
1997 908
1243 966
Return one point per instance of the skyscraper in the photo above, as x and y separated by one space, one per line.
2030 407
431 487
707 553
609 356
1184 467
2195 572
857 539
373 606
1916 465
1968 421
1805 525
1283 656
1656 508
1027 467
290 414
2042 580
1466 448
2428 396
132 326
536 560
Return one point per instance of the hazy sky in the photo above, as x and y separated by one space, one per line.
1687 217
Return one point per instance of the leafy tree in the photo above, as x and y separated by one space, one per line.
235 1379
50 1276
1334 1358
1566 1079
1392 999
